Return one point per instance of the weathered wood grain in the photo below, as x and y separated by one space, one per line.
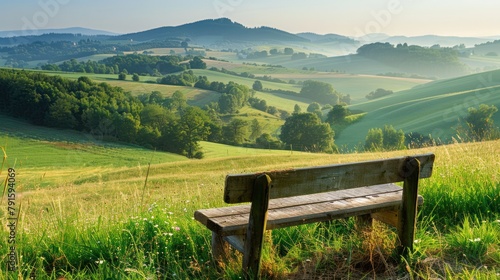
298 210
257 220
308 195
294 182
408 217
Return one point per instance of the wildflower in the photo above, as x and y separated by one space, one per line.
99 261
416 241
176 228
475 240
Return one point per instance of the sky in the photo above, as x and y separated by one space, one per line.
355 18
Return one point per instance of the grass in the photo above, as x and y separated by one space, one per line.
434 108
105 222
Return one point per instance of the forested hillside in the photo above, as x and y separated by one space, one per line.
438 62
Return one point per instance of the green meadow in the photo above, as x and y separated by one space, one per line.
90 209
434 108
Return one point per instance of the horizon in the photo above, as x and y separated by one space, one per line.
352 19
31 31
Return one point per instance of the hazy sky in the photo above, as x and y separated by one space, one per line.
346 17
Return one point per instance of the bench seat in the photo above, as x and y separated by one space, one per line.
304 209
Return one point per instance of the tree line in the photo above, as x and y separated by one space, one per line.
54 51
415 59
105 111
150 120
141 64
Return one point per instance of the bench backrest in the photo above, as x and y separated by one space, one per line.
294 182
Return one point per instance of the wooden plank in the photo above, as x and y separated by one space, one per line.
204 215
237 241
389 217
220 248
294 182
290 214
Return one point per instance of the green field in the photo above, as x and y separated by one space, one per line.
68 153
147 84
482 63
351 64
358 86
434 108
87 213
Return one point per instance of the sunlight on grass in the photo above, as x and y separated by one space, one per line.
106 222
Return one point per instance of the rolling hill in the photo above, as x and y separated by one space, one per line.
434 108
213 31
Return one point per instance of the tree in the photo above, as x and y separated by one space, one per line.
257 85
387 138
197 63
380 92
337 114
192 128
296 109
126 127
320 92
185 45
266 141
393 139
202 83
122 76
228 104
177 102
135 77
156 116
61 113
479 122
305 131
374 139
288 51
272 110
414 140
300 55
255 129
235 132
315 108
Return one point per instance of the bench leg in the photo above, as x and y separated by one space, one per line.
408 217
364 222
256 227
220 248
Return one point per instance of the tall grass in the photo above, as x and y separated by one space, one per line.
113 226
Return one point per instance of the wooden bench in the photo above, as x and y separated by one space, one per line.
307 195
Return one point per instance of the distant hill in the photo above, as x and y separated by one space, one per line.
213 31
49 37
424 40
70 30
443 41
488 49
327 38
